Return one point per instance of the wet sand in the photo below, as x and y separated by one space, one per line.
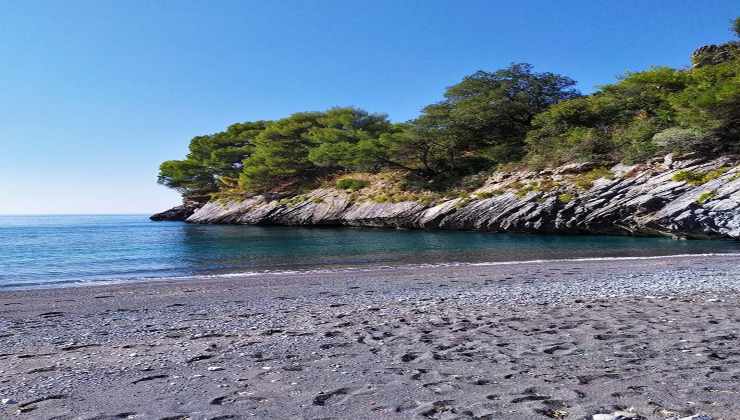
656 337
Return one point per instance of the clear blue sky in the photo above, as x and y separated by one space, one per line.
94 94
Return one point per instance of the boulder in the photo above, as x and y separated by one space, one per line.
176 214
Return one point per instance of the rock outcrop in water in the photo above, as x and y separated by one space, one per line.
687 198
178 213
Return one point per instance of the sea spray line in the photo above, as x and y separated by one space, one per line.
449 264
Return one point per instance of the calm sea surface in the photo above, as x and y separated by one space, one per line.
37 251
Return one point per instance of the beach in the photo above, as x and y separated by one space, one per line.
654 337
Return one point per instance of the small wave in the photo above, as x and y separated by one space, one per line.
45 284
447 264
95 282
587 259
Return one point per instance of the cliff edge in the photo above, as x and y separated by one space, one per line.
687 198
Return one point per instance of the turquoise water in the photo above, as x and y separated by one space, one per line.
64 250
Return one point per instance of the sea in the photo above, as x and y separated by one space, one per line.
75 250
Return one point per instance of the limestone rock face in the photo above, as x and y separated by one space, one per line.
635 200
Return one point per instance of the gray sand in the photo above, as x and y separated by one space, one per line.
527 341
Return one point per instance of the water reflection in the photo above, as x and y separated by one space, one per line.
72 248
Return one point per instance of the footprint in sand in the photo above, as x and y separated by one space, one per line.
442 387
47 315
409 357
438 409
28 406
529 398
561 349
124 415
340 396
241 398
149 378
199 358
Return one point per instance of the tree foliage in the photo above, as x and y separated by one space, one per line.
210 158
483 120
487 119
309 144
344 138
620 121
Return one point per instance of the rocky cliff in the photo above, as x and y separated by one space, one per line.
687 198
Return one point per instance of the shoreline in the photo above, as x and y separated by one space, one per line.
347 269
516 341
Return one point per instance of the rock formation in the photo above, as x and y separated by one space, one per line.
178 213
715 54
646 199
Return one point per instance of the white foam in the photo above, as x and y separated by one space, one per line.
87 282
448 264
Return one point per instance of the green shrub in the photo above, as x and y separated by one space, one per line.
682 140
706 196
586 180
566 198
522 192
401 196
380 198
488 194
292 201
690 177
711 175
516 185
464 200
426 200
698 178
351 184
635 140
584 183
544 186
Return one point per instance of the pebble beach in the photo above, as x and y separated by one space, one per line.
653 338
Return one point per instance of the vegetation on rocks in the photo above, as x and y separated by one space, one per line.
515 117
566 198
586 180
488 194
706 196
350 184
699 178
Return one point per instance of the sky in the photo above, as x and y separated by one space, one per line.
95 94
